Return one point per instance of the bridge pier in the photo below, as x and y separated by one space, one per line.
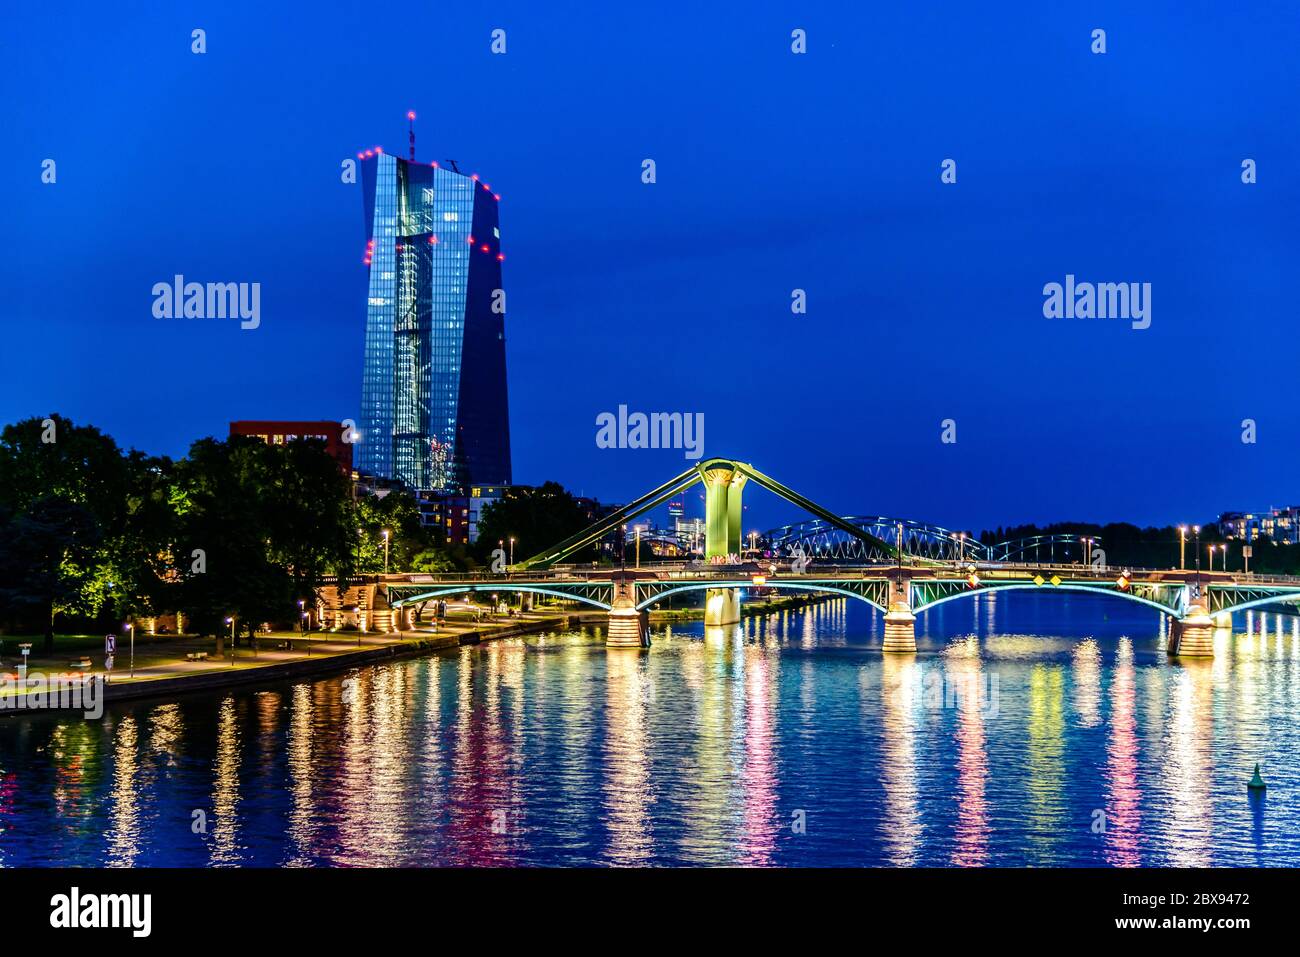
900 623
626 627
1192 636
721 606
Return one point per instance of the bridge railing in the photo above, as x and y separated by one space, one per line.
698 571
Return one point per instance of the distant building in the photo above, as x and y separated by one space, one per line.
458 513
329 431
447 511
675 512
434 414
1281 525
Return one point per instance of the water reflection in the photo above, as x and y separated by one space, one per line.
1123 795
900 700
627 784
964 672
983 749
1045 773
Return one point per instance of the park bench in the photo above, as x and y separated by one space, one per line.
82 662
196 656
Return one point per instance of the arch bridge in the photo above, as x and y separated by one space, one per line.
920 567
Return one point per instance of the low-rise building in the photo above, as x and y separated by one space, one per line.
329 431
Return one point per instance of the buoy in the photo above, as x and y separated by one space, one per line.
1256 783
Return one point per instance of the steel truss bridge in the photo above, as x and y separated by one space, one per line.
824 542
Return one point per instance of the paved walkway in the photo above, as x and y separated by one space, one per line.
165 656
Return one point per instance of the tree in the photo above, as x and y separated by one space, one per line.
257 527
397 513
535 518
63 495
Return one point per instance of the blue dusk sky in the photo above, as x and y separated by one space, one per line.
775 171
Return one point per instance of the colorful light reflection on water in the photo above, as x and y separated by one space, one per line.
1029 730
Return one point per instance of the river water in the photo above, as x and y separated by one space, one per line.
1042 730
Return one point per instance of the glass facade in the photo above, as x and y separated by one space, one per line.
434 412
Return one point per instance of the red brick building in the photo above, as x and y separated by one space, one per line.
278 433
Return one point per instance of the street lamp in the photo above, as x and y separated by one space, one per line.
512 551
1182 547
231 622
1196 546
130 629
385 551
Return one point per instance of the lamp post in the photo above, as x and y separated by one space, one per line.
130 630
231 622
1196 547
512 551
898 551
1182 547
356 610
385 551
638 547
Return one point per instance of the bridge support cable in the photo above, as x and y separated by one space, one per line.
794 498
594 533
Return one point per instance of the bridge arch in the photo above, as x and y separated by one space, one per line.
777 583
1030 586
1288 597
497 588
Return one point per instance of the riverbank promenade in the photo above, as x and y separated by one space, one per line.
170 664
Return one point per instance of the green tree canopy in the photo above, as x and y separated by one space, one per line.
535 518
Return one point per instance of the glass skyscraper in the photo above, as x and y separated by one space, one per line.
434 413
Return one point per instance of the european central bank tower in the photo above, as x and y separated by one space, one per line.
434 413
